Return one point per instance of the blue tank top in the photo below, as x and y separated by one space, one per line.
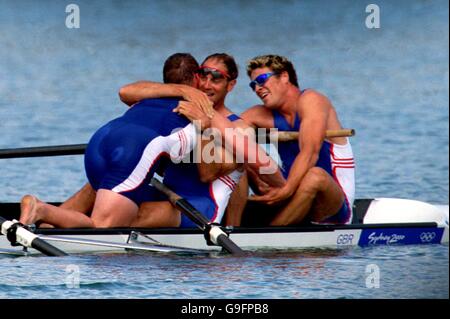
289 150
190 183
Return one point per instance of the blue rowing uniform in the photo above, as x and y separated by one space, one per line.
124 154
209 198
336 160
289 150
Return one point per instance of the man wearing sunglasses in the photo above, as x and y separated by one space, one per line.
115 164
120 159
216 78
320 184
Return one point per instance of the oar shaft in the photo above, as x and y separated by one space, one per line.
182 204
46 248
78 149
57 150
215 234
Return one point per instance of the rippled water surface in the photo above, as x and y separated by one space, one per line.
404 272
57 85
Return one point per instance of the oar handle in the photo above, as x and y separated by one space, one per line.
286 136
25 238
345 132
213 232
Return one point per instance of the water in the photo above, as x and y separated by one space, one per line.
306 274
57 85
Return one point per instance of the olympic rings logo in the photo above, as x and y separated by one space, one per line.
427 237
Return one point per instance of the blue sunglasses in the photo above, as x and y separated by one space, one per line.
261 79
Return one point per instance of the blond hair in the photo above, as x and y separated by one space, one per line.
276 63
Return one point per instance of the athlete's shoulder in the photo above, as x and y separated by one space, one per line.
160 101
311 98
257 115
310 94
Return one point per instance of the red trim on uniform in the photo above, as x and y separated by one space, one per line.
226 182
211 193
343 162
230 180
182 139
149 169
333 173
345 195
341 159
345 166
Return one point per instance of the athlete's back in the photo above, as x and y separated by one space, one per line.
157 114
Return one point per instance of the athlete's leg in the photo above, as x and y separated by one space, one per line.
236 205
318 195
33 210
157 214
82 201
113 210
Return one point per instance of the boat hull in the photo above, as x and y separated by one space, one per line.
248 239
428 224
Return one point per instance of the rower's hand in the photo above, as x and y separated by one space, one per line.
263 188
197 97
194 113
273 196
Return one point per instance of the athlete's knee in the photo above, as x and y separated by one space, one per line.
315 178
113 221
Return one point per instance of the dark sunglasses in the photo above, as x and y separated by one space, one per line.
261 79
216 74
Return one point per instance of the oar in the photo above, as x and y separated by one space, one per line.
78 149
286 136
212 232
17 234
57 150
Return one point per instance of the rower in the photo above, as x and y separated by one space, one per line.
320 173
120 160
206 186
128 188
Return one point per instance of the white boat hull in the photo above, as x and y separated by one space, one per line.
386 222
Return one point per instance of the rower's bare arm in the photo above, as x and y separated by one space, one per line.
210 171
224 161
314 111
137 91
258 186
237 203
257 116
249 151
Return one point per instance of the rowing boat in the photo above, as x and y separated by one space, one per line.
381 221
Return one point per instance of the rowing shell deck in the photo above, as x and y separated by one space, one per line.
384 221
